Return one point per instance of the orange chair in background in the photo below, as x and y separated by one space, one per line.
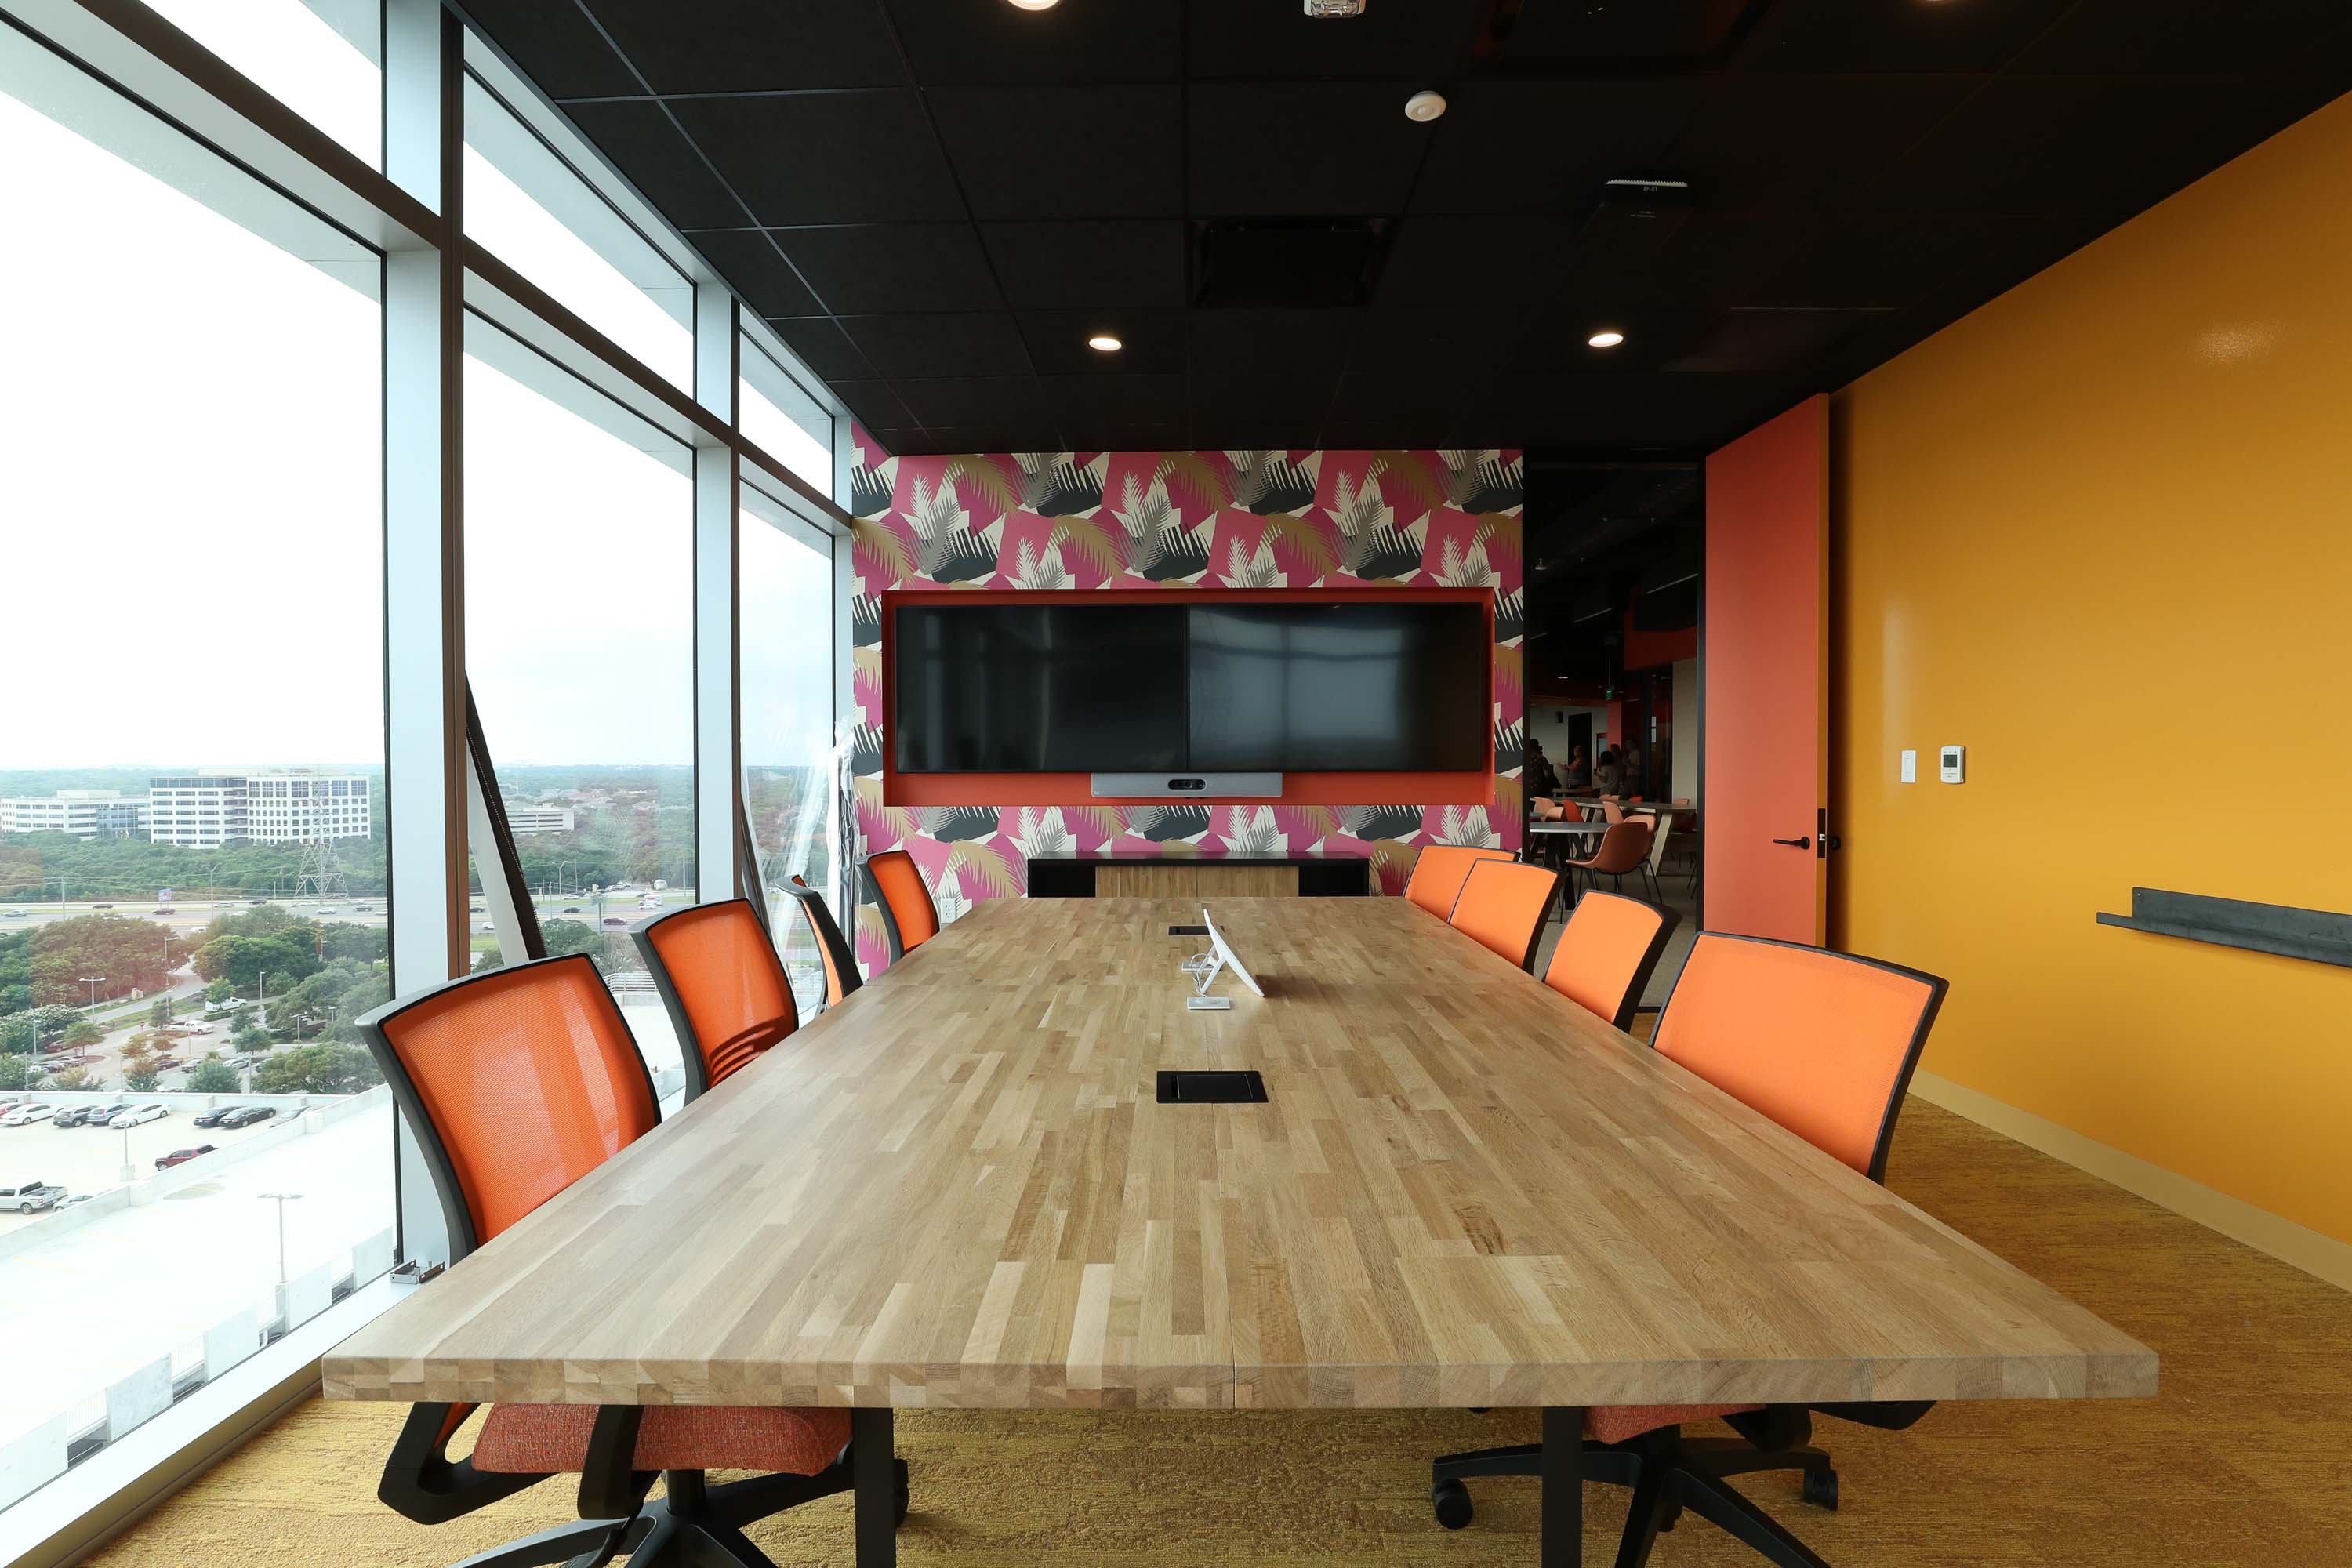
1824 1044
1437 875
727 992
841 975
909 919
518 1082
1625 846
1607 952
1503 904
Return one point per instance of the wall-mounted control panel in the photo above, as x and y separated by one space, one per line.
1953 764
1910 767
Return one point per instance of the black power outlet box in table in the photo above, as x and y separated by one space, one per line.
1212 1087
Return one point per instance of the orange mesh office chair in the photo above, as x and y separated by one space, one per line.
1435 882
841 975
1606 954
896 883
1824 1044
1504 904
727 992
517 1082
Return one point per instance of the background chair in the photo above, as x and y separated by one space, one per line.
1824 1044
896 885
1503 904
1607 951
841 976
1435 882
517 1082
1625 847
728 994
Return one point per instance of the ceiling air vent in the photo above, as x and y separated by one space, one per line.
1275 263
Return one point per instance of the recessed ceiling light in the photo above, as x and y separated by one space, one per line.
1103 341
1606 340
1036 4
1424 105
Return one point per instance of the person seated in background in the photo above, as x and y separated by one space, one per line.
1541 779
1578 773
1611 776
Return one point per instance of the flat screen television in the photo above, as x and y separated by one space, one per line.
1365 685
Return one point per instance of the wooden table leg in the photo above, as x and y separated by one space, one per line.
874 1487
1562 1538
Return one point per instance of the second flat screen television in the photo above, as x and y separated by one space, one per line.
1286 686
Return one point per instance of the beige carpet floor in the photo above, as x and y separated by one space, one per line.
2242 1462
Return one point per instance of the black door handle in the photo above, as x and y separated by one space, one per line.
1804 843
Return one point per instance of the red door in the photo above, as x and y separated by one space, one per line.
1767 673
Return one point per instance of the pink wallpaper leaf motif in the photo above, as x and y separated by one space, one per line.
1484 482
1469 826
1371 547
1093 542
982 864
1312 824
1043 834
1304 538
1158 548
1168 823
1463 564
985 479
1392 862
1196 475
1253 569
1510 616
1269 482
1034 571
946 551
880 555
953 824
870 486
1251 830
1055 484
1378 822
1406 473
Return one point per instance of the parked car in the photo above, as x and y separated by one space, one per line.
213 1118
256 903
28 1197
195 1029
133 1116
181 1156
247 1116
615 920
165 1064
69 1116
474 909
26 1115
103 1115
16 914
167 911
72 1198
101 906
8 1105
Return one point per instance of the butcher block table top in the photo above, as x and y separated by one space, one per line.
957 1188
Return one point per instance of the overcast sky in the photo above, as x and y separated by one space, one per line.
191 482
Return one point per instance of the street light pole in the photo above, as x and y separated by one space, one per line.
93 982
285 1314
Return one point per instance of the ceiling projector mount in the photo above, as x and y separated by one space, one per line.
1335 8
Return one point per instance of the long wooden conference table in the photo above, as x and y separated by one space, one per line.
957 1188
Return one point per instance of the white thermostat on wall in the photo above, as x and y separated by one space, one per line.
1954 765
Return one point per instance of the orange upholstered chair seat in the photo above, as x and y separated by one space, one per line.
1621 1423
543 1439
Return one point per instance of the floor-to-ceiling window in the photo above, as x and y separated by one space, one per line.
192 881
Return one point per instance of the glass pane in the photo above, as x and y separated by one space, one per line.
579 645
192 764
321 58
779 415
529 209
787 704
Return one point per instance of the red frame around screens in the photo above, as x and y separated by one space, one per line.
1459 788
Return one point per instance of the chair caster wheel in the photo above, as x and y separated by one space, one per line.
1450 1501
1821 1489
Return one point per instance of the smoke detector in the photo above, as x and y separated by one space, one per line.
1334 7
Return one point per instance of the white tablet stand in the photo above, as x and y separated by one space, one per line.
1205 968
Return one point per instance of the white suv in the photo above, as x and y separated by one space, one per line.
153 1111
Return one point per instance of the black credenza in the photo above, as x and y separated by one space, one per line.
1185 876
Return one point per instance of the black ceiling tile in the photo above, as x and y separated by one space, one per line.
1769 143
1220 433
1870 36
988 41
1065 151
2044 144
1049 266
823 346
826 157
1351 436
1539 147
971 401
1435 343
557 48
1303 149
875 404
1153 342
730 46
1364 398
1278 341
899 443
2195 37
1691 32
638 136
1485 261
1083 400
956 343
885 268
1260 38
1092 438
1557 341
746 259
1904 258
1252 399
990 439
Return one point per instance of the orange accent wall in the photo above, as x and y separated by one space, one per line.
1766 691
2096 531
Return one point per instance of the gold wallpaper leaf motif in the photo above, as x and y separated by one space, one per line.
987 479
880 543
1196 474
1091 540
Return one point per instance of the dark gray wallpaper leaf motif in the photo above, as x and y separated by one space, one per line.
1163 824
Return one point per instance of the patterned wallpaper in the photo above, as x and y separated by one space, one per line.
1151 519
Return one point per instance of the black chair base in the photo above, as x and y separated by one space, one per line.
694 1525
1668 1474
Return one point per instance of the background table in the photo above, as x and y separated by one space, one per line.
955 1188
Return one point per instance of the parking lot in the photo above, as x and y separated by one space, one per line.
90 1159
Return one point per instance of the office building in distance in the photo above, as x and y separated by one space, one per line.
203 811
83 812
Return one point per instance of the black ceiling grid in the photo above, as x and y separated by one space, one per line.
934 201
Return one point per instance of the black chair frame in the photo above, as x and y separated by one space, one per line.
1670 1473
828 933
695 1522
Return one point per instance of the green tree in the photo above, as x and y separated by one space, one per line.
219 991
15 996
54 1019
328 1068
72 1078
126 953
138 1076
345 939
18 1072
159 1015
213 1076
249 1035
573 936
19 1035
82 1031
286 958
